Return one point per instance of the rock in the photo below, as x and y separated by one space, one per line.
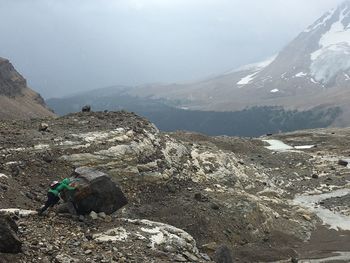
63 258
95 191
214 206
43 126
93 215
102 215
108 219
86 108
47 158
223 255
343 162
307 217
211 246
315 176
9 242
180 258
190 256
171 188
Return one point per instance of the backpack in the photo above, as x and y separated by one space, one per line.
54 184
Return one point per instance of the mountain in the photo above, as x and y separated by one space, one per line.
16 99
311 71
307 85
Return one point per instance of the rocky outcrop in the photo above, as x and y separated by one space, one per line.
188 193
17 100
9 242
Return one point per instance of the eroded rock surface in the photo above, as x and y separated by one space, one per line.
227 191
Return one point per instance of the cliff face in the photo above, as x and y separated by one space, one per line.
17 100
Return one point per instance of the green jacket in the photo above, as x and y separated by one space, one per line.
63 185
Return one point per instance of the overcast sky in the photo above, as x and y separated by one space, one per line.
65 46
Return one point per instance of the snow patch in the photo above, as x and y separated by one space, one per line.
115 234
333 55
246 80
254 66
279 146
276 145
18 211
303 147
321 22
300 75
334 220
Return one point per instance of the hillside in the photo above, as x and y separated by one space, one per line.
188 194
17 101
167 116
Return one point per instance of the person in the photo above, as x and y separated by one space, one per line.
53 194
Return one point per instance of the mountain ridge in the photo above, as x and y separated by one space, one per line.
17 100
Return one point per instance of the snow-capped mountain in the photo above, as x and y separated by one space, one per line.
313 70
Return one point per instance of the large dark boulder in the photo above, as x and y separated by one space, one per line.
95 191
223 255
9 242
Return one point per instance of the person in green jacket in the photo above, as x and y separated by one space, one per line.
53 194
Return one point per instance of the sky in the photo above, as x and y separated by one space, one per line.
66 46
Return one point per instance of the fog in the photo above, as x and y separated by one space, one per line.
66 46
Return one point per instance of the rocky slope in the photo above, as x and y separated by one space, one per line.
16 99
188 193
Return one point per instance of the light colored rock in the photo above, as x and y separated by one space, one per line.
93 215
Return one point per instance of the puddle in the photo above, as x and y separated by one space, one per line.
334 220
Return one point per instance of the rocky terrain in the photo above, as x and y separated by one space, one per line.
16 99
191 197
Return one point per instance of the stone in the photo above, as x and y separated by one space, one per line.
315 176
307 217
343 162
180 258
63 258
95 191
43 126
9 242
108 219
93 215
223 255
86 108
211 246
47 158
102 215
214 206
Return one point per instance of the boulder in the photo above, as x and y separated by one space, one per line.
86 108
43 126
223 255
95 191
9 242
343 162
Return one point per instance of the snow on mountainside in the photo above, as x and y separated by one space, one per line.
333 54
